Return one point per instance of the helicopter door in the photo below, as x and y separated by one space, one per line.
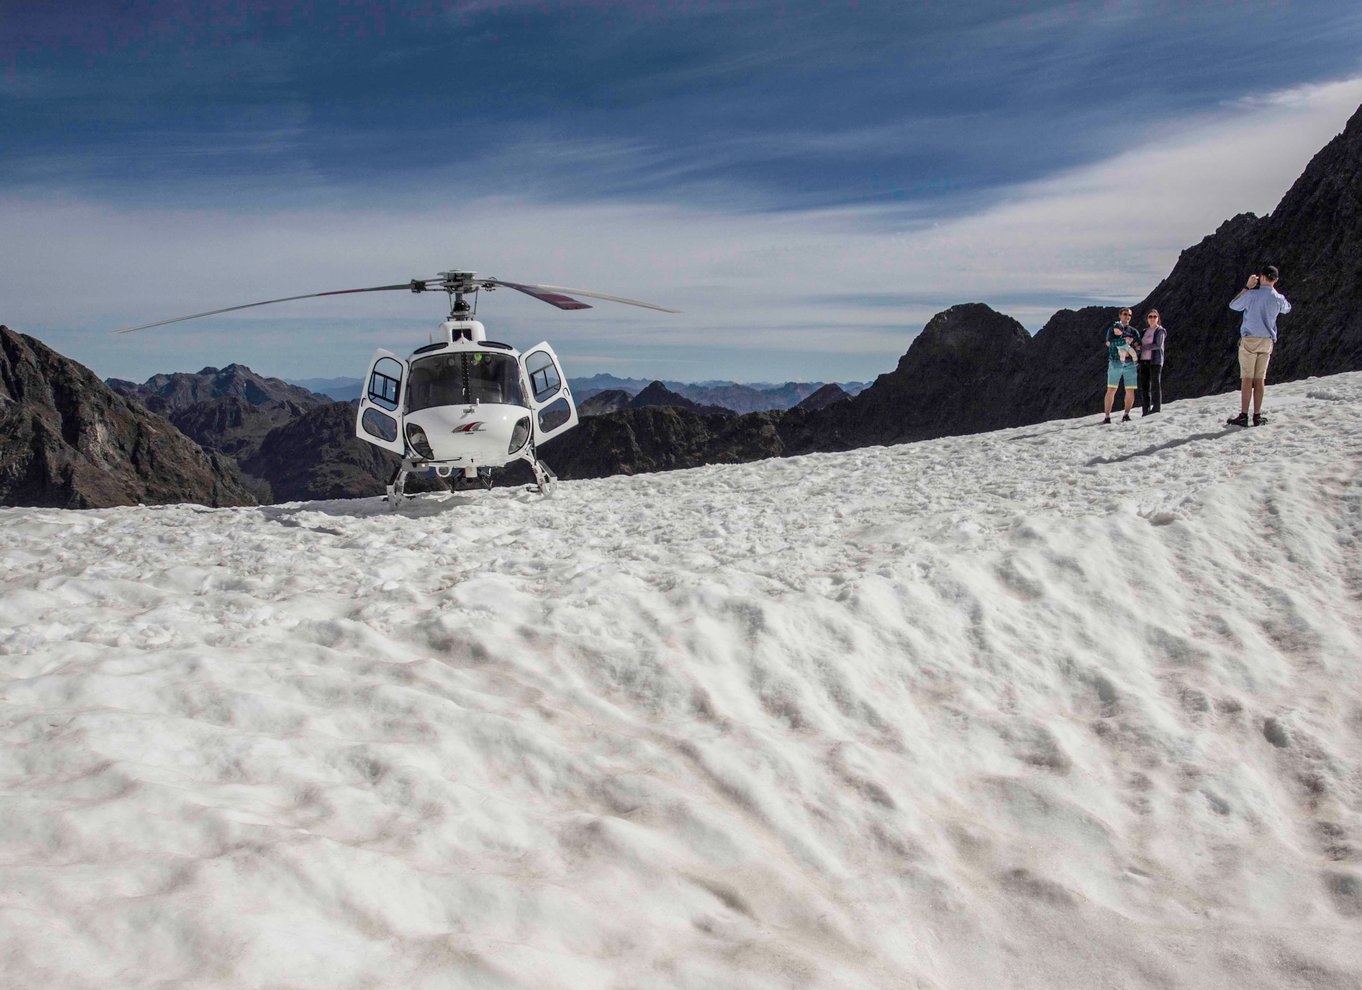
380 403
550 398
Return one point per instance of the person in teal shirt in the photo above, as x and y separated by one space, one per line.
1122 364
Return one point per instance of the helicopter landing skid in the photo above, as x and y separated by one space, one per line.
543 476
397 486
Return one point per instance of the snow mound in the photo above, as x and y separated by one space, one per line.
1065 705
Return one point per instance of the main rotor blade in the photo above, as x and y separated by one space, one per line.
561 296
269 302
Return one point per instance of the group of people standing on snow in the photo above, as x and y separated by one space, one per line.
1135 357
1135 360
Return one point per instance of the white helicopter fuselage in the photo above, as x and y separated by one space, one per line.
477 435
464 403
461 403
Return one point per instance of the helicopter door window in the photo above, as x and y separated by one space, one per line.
554 415
379 425
544 379
385 382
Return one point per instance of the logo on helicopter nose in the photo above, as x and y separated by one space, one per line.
475 427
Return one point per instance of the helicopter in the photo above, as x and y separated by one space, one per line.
461 406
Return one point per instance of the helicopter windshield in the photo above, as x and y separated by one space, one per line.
462 377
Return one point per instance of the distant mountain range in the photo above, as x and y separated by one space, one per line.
231 437
733 396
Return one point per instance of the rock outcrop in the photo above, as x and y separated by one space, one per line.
599 403
317 456
67 440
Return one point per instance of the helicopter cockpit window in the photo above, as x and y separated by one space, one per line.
495 378
544 379
462 377
385 382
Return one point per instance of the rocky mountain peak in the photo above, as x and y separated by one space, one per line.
169 394
657 394
67 440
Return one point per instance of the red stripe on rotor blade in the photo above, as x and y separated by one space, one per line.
552 298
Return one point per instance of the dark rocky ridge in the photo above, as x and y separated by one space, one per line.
657 394
69 441
230 410
169 393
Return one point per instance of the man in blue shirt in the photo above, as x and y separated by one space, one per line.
1261 304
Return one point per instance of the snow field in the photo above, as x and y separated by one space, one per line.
1059 705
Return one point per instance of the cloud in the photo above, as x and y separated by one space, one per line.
766 295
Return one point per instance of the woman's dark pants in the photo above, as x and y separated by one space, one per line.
1151 387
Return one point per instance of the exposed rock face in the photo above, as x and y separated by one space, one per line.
1063 371
318 456
67 440
611 400
227 409
166 394
661 438
950 381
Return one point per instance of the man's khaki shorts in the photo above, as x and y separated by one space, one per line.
1253 356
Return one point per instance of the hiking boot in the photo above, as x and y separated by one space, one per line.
1259 419
1125 418
1240 420
1106 421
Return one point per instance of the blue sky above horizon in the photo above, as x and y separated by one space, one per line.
809 182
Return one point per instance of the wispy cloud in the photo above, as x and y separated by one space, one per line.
827 294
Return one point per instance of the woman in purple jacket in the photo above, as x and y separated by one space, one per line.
1151 364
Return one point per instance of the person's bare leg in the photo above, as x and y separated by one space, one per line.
1245 394
1258 385
1130 399
1111 397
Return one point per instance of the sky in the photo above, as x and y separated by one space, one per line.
886 718
807 182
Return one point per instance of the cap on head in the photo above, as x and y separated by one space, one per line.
1270 273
